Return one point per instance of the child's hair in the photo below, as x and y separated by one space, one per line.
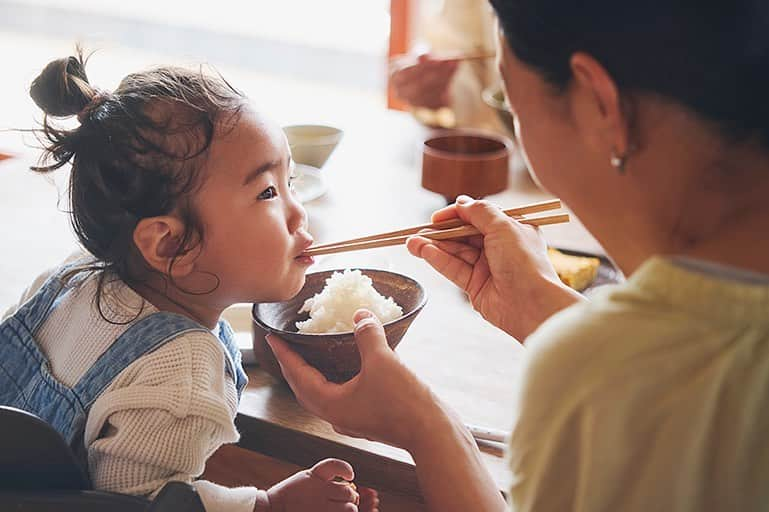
137 152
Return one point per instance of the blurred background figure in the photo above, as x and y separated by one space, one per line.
440 88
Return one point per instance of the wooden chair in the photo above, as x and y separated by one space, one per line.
39 473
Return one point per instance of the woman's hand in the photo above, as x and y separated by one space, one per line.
424 81
387 402
355 407
505 272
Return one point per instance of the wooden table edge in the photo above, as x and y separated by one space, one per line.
305 450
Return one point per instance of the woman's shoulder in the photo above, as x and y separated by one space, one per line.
603 314
599 339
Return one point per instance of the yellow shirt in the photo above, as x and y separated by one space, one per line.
652 396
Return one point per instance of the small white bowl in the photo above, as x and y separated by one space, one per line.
308 183
312 144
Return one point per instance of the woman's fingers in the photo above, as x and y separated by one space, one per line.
467 253
454 268
468 250
309 385
369 335
446 213
481 214
330 469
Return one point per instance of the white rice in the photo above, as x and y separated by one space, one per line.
332 309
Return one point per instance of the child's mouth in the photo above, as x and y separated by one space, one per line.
305 259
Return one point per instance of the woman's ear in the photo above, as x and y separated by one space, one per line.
597 106
159 240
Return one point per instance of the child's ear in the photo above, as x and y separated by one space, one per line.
158 240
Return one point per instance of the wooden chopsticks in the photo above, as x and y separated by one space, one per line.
481 55
468 56
446 230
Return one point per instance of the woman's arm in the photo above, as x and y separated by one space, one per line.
451 474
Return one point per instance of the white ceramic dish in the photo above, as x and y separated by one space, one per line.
308 183
312 144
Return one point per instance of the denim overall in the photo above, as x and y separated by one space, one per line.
26 381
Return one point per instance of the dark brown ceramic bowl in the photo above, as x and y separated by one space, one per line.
470 162
336 354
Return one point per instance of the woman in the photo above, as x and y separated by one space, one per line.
649 120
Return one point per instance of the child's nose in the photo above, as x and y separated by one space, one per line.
297 215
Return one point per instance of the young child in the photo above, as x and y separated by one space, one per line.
180 193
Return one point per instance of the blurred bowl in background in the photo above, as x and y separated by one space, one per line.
308 183
312 144
470 162
335 355
495 98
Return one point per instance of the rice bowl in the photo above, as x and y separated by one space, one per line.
332 309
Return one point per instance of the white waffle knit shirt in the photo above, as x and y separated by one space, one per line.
163 416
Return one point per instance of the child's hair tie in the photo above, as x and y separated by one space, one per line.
98 99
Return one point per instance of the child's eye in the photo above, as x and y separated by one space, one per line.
269 193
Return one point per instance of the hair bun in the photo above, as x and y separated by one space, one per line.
62 88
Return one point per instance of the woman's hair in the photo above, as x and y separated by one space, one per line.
136 153
712 57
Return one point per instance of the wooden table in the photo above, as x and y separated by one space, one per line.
374 185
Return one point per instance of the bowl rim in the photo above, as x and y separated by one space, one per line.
488 97
331 135
467 132
308 336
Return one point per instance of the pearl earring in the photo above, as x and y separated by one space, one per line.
618 161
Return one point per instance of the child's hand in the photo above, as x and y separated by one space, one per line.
319 489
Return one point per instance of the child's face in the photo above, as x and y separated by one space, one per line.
254 228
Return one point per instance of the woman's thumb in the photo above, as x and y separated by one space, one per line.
369 333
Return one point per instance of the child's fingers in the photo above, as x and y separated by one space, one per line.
342 491
344 431
329 469
337 506
369 500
